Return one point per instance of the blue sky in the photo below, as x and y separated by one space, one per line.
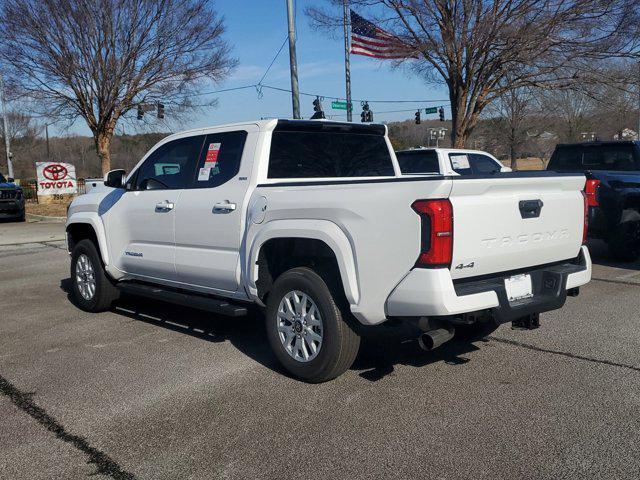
257 28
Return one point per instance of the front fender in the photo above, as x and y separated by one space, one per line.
323 230
93 219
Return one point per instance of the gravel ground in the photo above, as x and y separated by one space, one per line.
154 391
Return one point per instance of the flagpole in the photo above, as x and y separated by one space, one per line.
347 66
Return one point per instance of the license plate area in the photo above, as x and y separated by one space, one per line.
518 287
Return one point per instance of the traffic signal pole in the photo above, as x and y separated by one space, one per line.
347 63
293 63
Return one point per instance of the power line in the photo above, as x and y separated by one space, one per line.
354 100
274 59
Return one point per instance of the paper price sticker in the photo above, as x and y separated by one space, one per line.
212 155
203 174
460 162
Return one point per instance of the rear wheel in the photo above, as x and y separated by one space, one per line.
308 326
624 242
92 290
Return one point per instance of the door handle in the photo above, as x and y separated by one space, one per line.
224 207
530 208
165 206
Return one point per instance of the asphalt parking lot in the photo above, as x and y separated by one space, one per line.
151 391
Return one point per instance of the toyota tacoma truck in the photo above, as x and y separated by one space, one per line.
314 222
612 189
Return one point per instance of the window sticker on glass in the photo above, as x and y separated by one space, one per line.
203 174
459 162
211 159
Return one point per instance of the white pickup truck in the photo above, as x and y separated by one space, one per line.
314 221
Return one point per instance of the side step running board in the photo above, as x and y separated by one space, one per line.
199 302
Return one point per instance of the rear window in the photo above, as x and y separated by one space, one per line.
327 154
577 158
418 161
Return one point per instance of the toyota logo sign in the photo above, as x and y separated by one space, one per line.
55 171
56 178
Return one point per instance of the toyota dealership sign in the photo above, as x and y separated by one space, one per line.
56 178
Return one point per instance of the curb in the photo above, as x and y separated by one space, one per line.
42 218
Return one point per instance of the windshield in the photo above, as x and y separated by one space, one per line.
418 161
2 179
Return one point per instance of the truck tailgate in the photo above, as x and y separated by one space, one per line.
512 221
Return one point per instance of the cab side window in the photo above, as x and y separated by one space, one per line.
170 166
481 164
219 160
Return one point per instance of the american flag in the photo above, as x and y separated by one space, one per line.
371 41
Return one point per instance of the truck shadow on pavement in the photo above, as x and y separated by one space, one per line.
381 350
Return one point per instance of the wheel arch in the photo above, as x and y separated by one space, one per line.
85 226
319 238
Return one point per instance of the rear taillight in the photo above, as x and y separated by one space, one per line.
436 218
591 192
585 226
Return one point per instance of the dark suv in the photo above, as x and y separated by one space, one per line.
612 190
11 200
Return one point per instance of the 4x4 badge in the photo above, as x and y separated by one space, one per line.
462 265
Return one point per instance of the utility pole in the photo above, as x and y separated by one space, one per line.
7 146
293 63
347 64
638 83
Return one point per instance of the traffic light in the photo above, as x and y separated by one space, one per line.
418 117
441 113
364 116
317 109
160 110
369 116
140 112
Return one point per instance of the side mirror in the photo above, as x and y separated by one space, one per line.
115 179
11 180
506 169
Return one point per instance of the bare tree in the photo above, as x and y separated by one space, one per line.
21 129
473 45
98 59
511 114
572 108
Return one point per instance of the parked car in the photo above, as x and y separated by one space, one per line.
612 189
313 221
11 200
448 161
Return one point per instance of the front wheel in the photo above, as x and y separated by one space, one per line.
308 326
92 290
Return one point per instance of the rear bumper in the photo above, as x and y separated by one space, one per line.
429 293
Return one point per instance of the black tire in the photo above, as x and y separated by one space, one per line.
22 217
624 242
105 291
340 341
